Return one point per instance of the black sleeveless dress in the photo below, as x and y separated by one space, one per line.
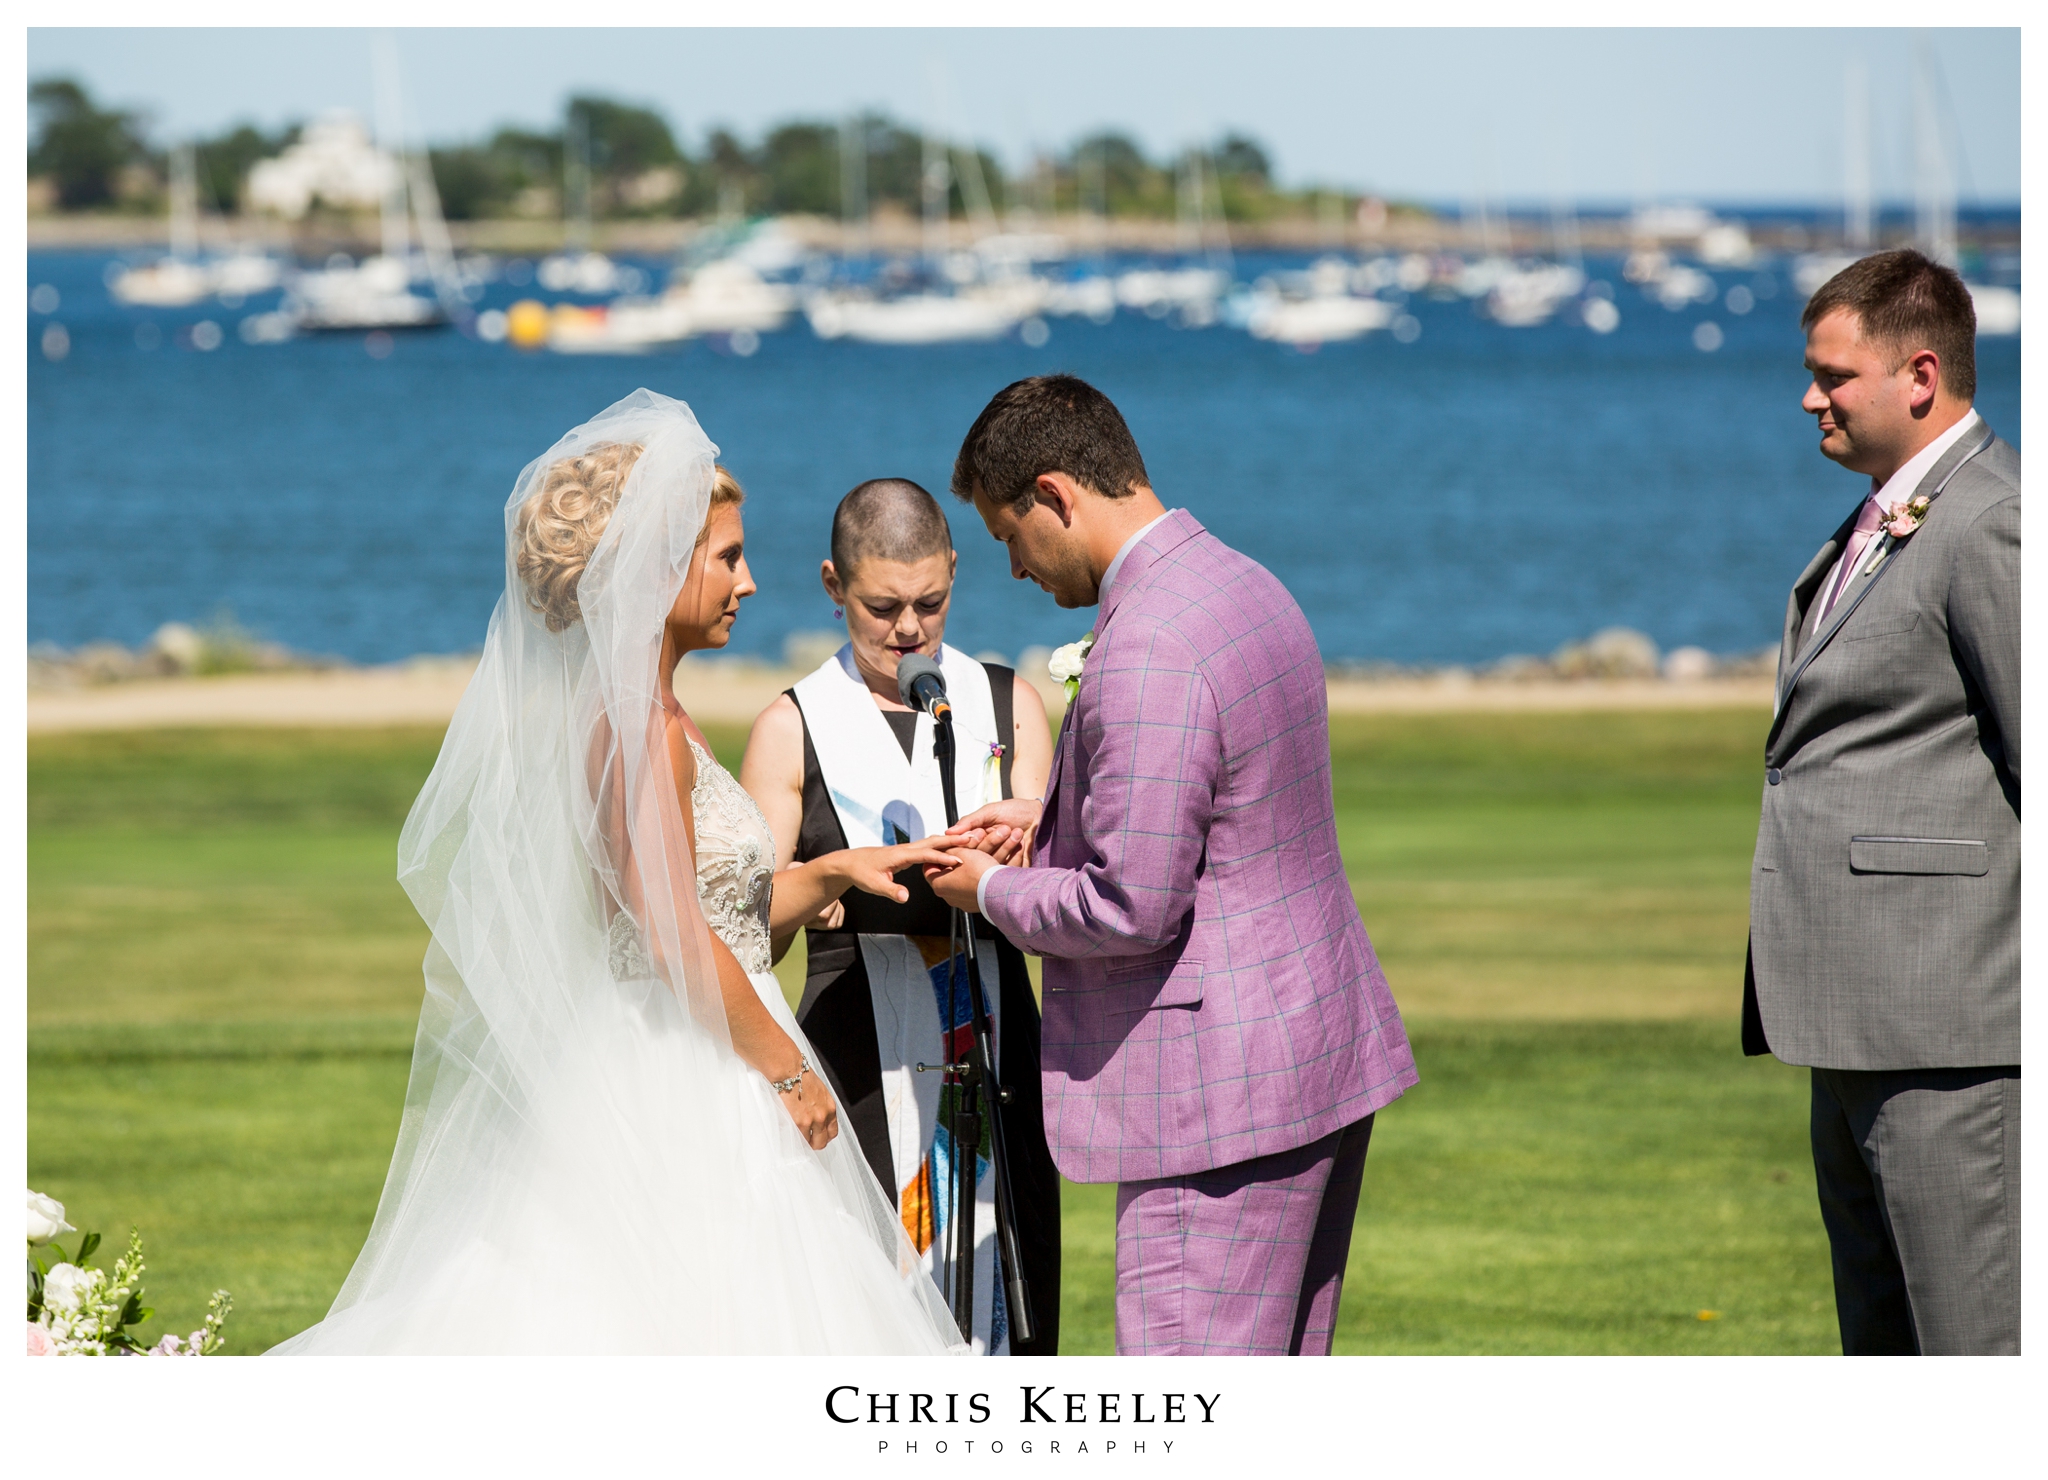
838 1016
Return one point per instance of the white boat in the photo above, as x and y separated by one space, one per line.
354 297
590 273
1527 296
1326 318
1091 297
1998 309
727 296
625 326
1811 271
1156 292
245 274
1477 279
917 318
169 283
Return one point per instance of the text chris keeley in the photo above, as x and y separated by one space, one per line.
849 1404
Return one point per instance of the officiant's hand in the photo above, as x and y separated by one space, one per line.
958 883
1003 830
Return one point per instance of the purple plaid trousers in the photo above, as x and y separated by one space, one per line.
1211 997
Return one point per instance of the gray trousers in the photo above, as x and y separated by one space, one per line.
1919 1176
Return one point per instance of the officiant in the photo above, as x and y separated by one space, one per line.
839 762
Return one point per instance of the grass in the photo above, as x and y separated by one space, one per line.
223 979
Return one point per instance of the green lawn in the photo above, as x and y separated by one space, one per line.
223 978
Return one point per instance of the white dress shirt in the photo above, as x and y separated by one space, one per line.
1894 489
1108 580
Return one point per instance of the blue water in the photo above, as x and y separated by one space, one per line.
1482 491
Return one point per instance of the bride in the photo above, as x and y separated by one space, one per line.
613 1138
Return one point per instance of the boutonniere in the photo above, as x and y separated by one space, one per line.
992 770
1901 520
1067 662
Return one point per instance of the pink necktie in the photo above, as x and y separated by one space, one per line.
1869 520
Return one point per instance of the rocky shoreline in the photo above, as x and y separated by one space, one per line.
184 677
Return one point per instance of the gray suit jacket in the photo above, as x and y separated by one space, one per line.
1884 904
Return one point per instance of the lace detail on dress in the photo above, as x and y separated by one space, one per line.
625 950
735 862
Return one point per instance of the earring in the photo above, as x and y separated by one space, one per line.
838 613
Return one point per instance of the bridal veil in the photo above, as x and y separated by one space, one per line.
584 1164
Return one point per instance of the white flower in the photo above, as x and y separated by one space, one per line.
66 1288
1067 662
45 1218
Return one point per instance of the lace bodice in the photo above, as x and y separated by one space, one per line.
735 861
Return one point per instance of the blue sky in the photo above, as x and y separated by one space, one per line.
1745 115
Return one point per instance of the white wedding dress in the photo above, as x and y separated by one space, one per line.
585 1164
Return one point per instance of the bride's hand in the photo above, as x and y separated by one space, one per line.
874 869
812 1108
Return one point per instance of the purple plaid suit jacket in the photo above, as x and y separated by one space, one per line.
1210 994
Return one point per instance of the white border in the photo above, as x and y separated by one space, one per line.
1457 1416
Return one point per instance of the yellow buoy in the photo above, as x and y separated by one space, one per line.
526 324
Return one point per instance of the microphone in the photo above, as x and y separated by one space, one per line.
921 684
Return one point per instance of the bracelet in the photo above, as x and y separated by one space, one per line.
784 1086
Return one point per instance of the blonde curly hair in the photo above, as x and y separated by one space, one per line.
562 520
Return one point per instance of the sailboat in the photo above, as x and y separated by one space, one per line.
577 268
347 297
980 308
179 280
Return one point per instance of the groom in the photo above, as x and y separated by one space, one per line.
1217 1031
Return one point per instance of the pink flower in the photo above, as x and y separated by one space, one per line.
39 1343
1902 518
168 1347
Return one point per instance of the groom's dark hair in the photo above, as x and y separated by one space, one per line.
1906 303
1048 424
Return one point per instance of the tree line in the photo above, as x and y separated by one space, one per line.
616 159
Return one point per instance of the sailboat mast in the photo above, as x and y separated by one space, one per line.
937 177
184 205
396 240
1934 184
576 182
1856 232
853 182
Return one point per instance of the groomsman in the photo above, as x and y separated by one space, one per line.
1885 897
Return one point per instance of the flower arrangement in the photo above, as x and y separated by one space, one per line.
1067 662
75 1310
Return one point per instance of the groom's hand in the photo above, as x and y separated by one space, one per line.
958 885
1004 830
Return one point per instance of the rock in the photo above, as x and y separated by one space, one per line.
1572 661
181 644
1688 664
1620 652
1518 668
806 650
104 662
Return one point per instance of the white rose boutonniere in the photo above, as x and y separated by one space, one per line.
1067 662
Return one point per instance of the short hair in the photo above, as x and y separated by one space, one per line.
1905 303
1048 424
561 521
887 519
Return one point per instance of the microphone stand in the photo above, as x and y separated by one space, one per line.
971 1075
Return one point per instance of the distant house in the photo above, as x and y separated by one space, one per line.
333 162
